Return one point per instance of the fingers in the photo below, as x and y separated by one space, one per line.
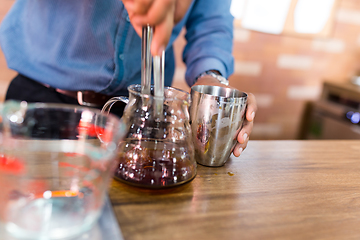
243 136
251 107
137 7
157 13
153 11
239 148
245 132
161 37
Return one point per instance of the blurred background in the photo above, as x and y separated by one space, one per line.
300 58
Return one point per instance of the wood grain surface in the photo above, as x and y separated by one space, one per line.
274 190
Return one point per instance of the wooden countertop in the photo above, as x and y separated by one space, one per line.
274 190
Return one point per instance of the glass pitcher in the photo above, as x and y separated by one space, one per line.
157 150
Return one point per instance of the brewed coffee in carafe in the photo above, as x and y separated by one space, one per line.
157 151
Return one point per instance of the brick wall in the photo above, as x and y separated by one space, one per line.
286 72
283 72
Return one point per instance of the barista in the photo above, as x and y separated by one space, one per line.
79 52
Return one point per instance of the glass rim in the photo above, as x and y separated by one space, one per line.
136 90
220 94
60 106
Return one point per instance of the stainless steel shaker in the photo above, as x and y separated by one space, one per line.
216 114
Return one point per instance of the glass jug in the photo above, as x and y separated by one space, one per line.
157 150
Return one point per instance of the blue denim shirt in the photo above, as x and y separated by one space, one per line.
91 45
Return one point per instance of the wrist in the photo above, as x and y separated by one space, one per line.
215 74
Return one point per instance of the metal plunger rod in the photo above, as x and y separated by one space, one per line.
159 67
147 33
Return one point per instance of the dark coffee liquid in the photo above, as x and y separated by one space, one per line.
155 164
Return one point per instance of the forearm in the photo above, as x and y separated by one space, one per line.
209 39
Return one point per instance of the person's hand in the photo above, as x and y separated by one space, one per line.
161 14
243 135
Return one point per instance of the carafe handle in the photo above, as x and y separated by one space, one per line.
107 106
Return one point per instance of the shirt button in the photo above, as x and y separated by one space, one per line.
121 56
127 18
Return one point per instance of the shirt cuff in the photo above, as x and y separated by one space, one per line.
203 65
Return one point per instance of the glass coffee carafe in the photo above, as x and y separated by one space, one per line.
157 151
